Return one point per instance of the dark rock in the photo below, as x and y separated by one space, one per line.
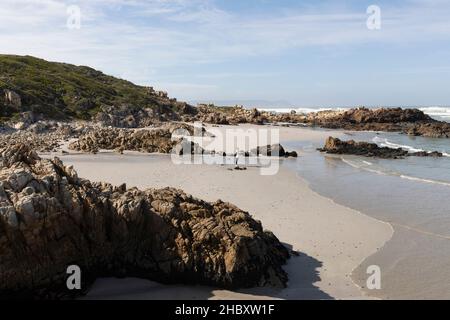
410 121
292 154
275 150
435 154
50 219
337 146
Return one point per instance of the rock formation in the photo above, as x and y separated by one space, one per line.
337 146
435 129
42 136
275 150
157 140
410 121
51 219
126 116
238 114
366 116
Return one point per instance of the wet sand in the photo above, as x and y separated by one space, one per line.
332 239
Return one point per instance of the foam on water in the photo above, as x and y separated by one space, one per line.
386 143
370 167
439 112
425 180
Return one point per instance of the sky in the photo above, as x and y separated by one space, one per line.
268 52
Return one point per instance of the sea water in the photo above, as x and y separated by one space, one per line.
412 194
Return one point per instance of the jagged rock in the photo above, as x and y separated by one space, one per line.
337 146
157 140
436 129
43 136
410 121
162 139
238 114
365 116
126 116
57 219
435 154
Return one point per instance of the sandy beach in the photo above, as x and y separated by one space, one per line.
332 239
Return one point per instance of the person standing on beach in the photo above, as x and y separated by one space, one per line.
236 158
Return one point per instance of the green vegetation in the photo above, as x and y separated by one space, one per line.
61 91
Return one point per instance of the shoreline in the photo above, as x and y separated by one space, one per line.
352 274
333 240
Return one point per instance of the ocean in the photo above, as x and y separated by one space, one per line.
412 194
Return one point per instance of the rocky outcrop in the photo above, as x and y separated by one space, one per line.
61 91
364 116
157 140
409 121
337 146
51 219
238 114
436 129
42 136
126 116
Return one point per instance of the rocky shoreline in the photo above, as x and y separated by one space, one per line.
366 149
166 137
50 219
407 121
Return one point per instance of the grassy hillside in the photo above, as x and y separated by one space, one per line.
60 90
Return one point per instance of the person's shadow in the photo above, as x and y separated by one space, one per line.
302 272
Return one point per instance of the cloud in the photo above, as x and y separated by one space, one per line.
198 32
143 38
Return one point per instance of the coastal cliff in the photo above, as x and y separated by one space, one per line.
32 90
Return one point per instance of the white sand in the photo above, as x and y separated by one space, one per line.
333 239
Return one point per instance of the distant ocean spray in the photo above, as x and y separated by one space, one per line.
441 113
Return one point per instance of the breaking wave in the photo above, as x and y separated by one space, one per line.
386 143
438 112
